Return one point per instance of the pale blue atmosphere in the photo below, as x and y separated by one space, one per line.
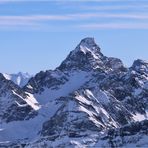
38 34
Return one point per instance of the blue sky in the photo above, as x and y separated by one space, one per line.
38 34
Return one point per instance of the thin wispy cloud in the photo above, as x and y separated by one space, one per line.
30 20
19 1
74 17
99 26
109 15
86 14
116 7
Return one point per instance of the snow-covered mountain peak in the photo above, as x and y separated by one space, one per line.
26 74
88 42
90 100
115 64
85 56
20 78
140 65
88 45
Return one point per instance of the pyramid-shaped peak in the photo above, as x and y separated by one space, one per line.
88 45
86 55
88 41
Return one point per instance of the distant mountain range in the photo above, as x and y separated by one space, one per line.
20 78
90 100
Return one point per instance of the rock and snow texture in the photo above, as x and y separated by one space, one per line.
90 100
20 79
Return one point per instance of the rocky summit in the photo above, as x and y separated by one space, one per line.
90 100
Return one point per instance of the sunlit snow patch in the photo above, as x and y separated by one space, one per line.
30 100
